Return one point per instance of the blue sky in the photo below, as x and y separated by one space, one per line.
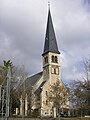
22 33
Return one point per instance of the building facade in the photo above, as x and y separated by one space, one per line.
40 83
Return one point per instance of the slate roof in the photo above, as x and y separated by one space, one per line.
50 38
30 81
40 88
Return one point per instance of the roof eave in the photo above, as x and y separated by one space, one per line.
51 52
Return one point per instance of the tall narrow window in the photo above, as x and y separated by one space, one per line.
52 58
54 70
46 59
56 60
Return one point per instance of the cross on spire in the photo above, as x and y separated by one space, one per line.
49 4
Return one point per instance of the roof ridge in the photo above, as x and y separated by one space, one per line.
35 74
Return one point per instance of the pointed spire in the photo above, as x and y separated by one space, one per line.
49 5
50 38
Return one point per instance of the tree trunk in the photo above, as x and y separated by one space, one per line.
59 114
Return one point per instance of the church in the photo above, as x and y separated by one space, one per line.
40 83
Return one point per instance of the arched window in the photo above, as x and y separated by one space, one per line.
46 59
56 60
54 70
52 58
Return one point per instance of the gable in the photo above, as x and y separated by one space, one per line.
38 91
33 79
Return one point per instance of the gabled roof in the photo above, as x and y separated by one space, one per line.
33 79
50 38
40 88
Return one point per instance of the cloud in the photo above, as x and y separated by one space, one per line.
22 33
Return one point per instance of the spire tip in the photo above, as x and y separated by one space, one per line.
49 4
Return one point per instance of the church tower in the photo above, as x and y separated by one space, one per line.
51 54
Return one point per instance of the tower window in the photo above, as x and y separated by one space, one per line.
52 58
46 59
56 60
54 71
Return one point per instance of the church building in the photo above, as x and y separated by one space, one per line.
40 83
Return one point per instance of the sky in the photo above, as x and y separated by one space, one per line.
23 27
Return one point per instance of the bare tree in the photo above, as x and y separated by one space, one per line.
17 77
80 92
58 95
